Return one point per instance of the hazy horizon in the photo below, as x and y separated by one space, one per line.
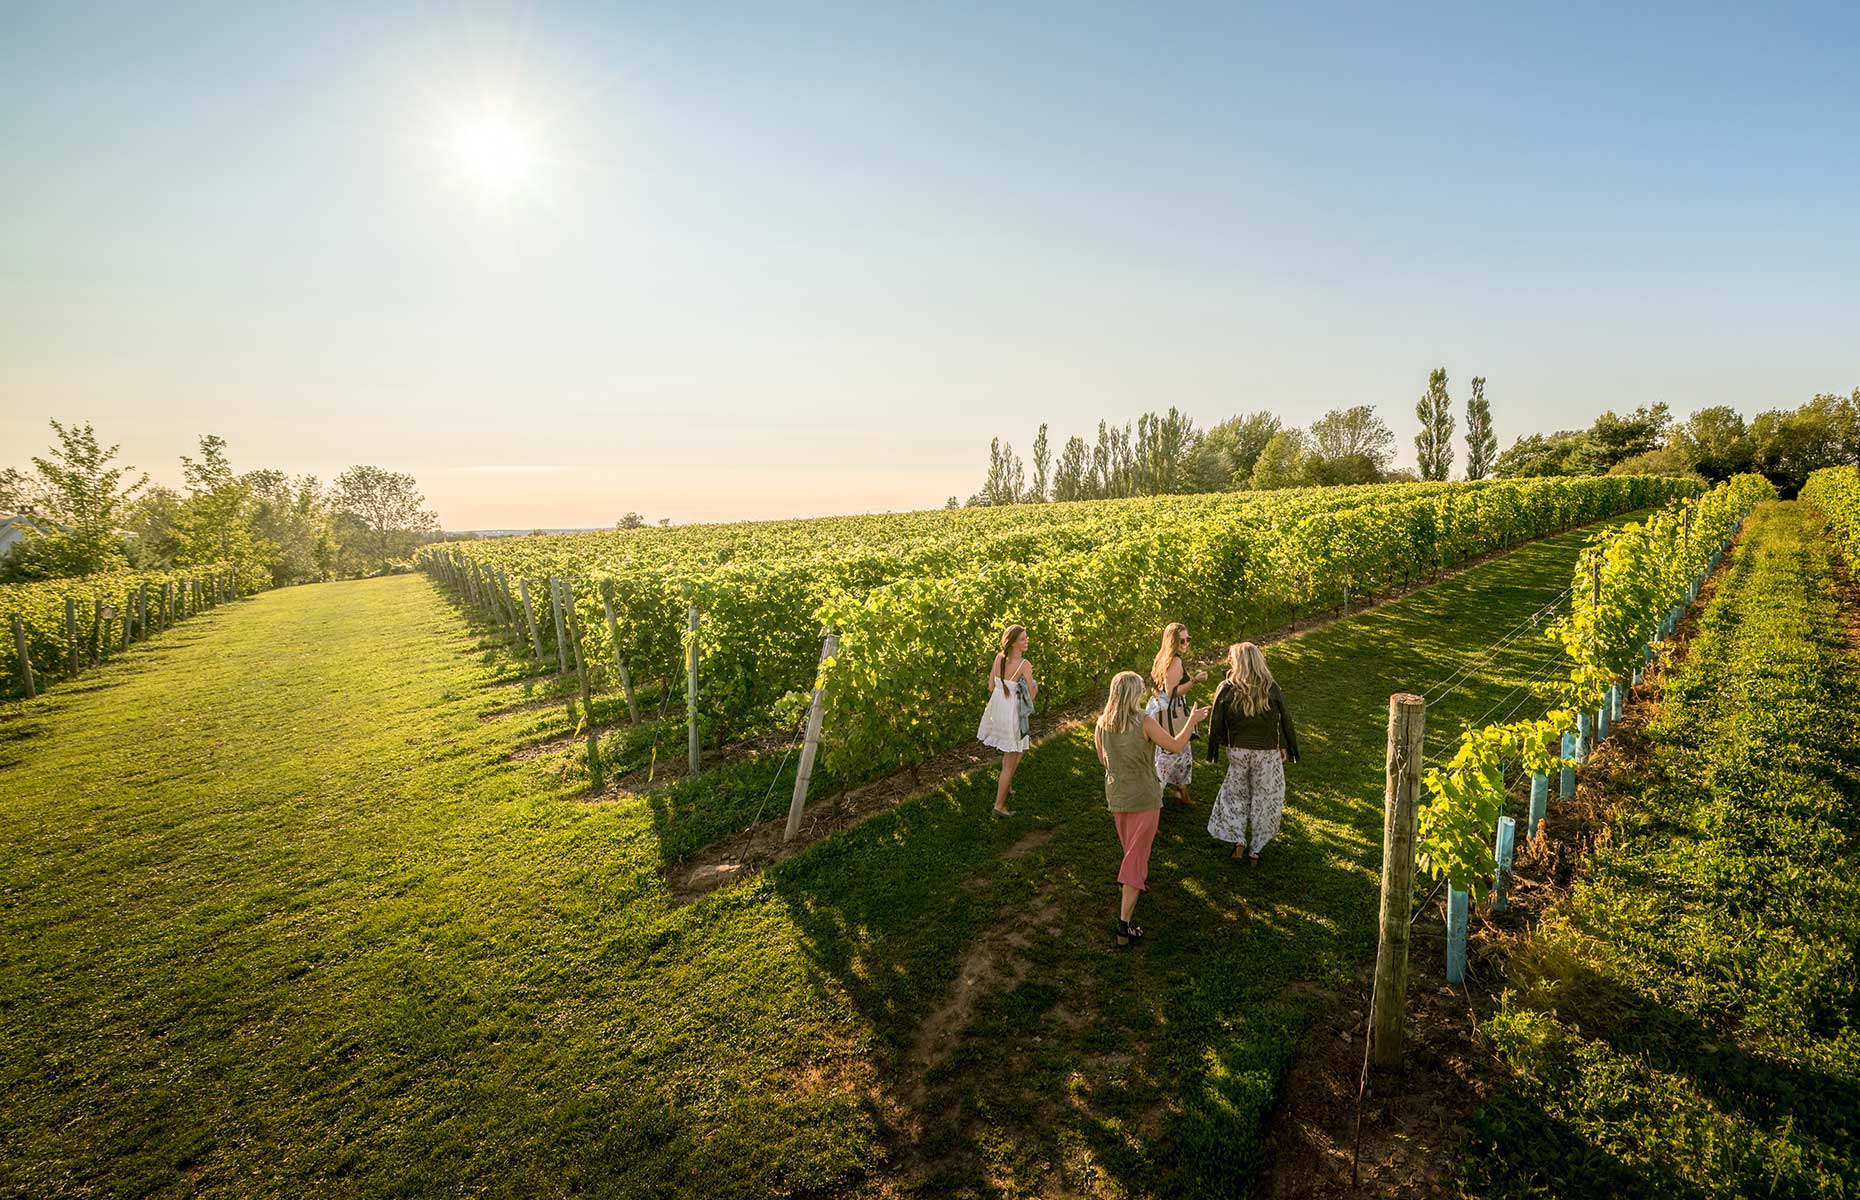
561 263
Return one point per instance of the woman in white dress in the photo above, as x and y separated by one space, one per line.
1004 727
1169 676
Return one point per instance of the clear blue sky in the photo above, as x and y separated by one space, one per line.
779 259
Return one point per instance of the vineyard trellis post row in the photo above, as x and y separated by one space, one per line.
587 693
613 636
816 707
529 614
555 607
1401 803
691 685
25 660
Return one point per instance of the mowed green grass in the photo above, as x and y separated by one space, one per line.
279 916
1688 1025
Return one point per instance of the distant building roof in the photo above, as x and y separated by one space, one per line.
13 527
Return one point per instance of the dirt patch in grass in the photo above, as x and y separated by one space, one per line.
1402 1135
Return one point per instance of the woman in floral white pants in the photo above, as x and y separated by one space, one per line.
1252 725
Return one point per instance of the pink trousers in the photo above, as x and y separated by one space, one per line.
1136 831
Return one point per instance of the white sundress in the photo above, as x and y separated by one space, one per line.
1000 727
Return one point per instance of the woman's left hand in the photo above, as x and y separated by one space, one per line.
1285 755
1201 677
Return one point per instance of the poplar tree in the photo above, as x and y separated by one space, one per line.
1434 444
1481 441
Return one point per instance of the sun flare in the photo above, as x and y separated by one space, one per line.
493 150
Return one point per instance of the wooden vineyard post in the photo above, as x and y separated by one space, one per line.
1400 808
613 636
691 688
810 747
71 643
561 637
587 693
96 634
25 659
529 614
167 605
142 610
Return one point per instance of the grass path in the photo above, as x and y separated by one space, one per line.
278 914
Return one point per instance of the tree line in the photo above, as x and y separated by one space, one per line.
1165 454
86 513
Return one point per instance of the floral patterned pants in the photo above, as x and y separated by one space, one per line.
1252 798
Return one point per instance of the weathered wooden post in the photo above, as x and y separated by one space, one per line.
613 636
1501 853
142 610
1566 778
1540 801
587 693
529 614
1457 902
555 607
71 642
810 747
691 685
25 659
1400 809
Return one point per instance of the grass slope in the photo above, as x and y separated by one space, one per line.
279 915
1689 1025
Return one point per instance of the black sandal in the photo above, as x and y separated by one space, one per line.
1128 933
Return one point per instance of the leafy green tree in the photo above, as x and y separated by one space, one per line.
1281 462
214 522
631 521
380 518
1349 445
1042 464
1228 451
152 521
1434 444
1006 476
83 498
1481 441
1613 438
15 490
1667 460
1072 478
1540 454
1716 442
1163 454
292 515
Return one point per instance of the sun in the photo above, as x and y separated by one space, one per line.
493 150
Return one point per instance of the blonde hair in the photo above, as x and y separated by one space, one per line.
1251 678
1124 705
1009 636
1171 650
